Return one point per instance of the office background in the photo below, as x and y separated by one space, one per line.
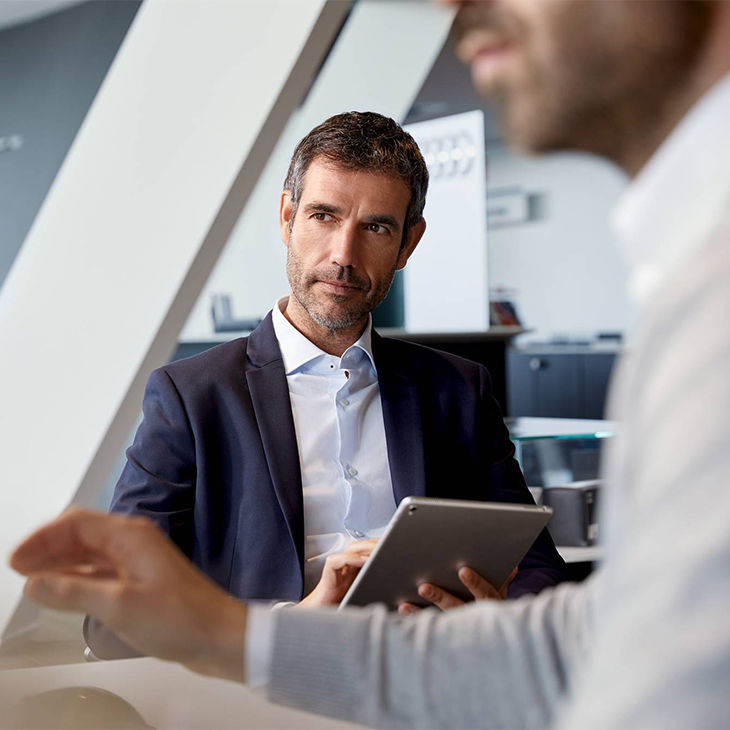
54 63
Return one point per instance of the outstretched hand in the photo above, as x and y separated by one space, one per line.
126 573
338 574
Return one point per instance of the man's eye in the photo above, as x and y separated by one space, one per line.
377 228
321 216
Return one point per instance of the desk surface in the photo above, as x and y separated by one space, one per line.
144 693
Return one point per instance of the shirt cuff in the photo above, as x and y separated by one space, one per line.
258 646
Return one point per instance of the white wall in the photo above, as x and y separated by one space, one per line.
563 266
446 285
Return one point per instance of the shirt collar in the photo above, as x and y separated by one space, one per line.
676 199
297 350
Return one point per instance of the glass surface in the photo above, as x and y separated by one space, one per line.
559 451
531 429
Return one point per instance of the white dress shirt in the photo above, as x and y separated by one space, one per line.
646 641
346 484
661 651
338 419
673 204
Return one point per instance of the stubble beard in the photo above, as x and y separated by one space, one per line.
341 313
599 78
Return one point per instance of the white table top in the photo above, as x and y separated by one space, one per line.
149 693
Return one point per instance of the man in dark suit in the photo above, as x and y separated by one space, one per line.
264 456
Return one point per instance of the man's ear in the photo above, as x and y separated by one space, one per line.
414 236
285 214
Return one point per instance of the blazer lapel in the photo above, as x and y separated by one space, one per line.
272 408
403 425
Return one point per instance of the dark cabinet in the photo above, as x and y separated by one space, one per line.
597 375
557 383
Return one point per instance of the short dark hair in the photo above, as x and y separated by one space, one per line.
363 141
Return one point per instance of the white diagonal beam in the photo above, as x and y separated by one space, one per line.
143 204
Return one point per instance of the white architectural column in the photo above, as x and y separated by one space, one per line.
446 280
139 212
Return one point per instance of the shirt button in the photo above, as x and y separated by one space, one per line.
344 402
358 534
351 471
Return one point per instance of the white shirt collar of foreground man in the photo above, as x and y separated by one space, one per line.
672 205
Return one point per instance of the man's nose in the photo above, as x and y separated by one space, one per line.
344 247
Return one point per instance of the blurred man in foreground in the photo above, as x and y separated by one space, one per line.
646 641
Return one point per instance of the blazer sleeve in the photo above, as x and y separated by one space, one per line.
542 566
158 482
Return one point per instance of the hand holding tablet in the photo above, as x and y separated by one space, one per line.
480 589
429 540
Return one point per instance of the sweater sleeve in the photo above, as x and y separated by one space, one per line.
487 665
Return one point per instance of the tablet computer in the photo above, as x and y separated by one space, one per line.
428 540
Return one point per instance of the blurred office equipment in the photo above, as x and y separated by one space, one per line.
575 517
560 458
557 451
221 312
503 307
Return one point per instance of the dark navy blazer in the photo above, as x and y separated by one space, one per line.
215 461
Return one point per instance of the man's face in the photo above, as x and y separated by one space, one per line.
578 73
344 245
